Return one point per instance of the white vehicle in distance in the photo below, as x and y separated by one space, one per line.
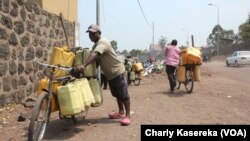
239 58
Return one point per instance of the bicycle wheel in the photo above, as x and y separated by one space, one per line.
39 118
137 80
189 83
81 116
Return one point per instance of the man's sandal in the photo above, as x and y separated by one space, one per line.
116 116
126 121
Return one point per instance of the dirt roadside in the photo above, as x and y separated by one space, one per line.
221 97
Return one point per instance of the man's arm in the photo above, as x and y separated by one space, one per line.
93 56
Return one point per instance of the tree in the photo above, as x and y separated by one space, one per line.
124 52
114 44
244 30
212 38
226 35
162 41
135 52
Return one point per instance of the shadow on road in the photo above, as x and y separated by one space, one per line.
176 93
65 129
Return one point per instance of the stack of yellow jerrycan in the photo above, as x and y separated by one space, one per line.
190 55
81 56
136 67
181 70
194 54
74 97
44 86
96 90
63 57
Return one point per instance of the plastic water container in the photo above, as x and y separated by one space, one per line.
96 90
138 66
184 56
194 56
70 99
81 57
132 75
63 57
86 92
197 73
44 85
181 74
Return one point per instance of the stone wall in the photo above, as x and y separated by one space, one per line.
27 34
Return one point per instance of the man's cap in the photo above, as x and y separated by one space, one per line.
93 28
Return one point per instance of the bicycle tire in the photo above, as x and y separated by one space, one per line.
137 80
81 116
39 122
189 83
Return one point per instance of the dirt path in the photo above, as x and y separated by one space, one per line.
221 97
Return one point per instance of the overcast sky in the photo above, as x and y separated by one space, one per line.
123 21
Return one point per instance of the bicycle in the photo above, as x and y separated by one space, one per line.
137 78
42 110
188 78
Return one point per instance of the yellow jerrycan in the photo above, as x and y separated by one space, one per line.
96 90
197 73
181 74
132 75
81 57
194 55
63 57
87 95
44 86
70 99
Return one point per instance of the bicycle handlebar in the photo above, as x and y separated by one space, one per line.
57 67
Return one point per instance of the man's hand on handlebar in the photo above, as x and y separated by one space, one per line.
77 71
80 67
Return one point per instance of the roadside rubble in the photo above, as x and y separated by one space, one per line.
13 114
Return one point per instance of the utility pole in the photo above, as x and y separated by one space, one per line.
218 23
153 48
98 12
192 39
98 23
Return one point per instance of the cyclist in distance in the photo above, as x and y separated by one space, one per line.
172 61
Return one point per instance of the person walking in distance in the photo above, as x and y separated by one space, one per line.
113 69
104 81
127 65
172 61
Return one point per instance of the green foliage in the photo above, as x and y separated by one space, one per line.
162 41
135 52
244 30
124 52
114 44
224 35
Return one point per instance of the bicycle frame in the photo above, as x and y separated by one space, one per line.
50 76
189 79
50 91
38 124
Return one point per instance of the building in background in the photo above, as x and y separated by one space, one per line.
67 7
